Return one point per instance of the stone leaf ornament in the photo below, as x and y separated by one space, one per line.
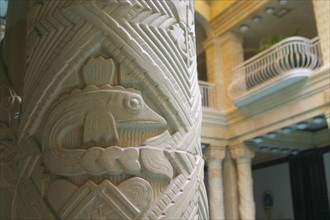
111 113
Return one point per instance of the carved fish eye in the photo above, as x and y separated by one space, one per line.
133 103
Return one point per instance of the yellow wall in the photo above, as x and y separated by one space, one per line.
219 6
209 9
203 9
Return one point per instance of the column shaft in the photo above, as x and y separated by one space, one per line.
243 154
222 55
214 66
322 16
245 188
230 187
214 157
215 189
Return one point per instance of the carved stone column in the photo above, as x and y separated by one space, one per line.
322 16
9 114
214 157
243 154
111 112
223 53
230 187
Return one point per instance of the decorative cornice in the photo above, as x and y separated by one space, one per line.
327 96
230 18
214 118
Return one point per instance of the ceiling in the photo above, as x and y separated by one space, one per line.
295 16
291 140
292 18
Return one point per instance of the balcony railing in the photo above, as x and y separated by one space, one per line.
208 94
292 57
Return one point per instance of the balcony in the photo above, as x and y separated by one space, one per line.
285 63
208 94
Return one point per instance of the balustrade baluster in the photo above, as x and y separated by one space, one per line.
279 60
207 91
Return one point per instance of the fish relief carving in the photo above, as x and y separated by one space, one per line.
87 130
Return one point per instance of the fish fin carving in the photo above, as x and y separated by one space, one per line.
100 127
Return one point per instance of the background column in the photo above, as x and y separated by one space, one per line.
243 155
322 16
213 66
214 157
230 187
223 53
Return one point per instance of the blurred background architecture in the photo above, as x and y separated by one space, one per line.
264 79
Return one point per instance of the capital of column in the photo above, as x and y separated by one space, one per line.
242 152
211 42
229 37
215 41
215 154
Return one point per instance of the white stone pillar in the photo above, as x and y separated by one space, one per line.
230 187
322 17
214 157
243 154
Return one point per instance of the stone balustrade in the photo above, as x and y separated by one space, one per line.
208 94
293 55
